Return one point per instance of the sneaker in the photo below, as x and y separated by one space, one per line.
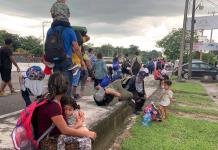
13 91
77 96
2 93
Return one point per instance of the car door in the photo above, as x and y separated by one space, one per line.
205 70
196 71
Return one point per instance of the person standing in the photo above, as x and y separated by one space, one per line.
6 60
136 63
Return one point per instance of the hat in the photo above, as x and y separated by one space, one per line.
143 73
60 12
99 95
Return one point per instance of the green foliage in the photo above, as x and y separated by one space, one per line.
172 43
30 44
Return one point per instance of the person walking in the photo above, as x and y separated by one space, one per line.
136 63
6 60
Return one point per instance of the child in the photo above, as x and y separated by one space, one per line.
74 119
100 70
165 99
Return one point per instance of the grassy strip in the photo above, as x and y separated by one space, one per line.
175 133
186 87
193 110
194 99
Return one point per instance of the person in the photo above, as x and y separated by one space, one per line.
91 55
6 60
51 113
60 14
165 99
31 83
104 96
73 120
136 63
100 70
135 85
151 66
85 71
117 73
126 65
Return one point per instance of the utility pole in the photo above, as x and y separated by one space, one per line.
211 34
192 39
182 49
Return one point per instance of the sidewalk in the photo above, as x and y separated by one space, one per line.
92 112
212 90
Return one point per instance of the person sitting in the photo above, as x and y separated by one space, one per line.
104 96
31 83
74 120
135 85
51 113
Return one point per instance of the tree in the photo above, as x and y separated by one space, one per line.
172 43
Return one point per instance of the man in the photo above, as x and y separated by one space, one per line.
6 60
61 24
136 63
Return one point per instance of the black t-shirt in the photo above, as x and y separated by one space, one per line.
5 61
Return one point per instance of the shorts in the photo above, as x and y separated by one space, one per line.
75 79
5 74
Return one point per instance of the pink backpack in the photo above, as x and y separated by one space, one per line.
23 134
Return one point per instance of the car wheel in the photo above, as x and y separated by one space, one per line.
185 76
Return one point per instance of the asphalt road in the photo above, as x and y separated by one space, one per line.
12 103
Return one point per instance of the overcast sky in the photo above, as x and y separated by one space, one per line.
119 22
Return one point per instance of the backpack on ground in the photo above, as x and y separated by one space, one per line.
136 66
23 135
54 46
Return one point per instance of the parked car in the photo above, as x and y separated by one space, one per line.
200 69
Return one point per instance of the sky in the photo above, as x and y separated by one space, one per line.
118 22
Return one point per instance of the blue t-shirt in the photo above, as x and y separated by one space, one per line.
68 37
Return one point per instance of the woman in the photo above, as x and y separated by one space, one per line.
51 113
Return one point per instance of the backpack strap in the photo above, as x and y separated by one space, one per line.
46 133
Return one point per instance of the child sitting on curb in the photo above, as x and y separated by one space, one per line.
165 99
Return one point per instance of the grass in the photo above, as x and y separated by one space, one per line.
188 87
176 133
194 99
193 110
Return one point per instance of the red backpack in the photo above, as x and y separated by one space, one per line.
23 134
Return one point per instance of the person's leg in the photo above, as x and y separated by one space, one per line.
139 104
83 81
26 97
165 111
6 78
162 113
75 82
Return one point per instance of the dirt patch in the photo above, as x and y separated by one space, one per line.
197 116
205 107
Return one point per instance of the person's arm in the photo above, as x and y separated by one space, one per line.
14 62
64 129
112 92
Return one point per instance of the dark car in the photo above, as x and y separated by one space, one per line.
200 69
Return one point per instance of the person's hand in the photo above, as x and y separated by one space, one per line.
92 135
18 69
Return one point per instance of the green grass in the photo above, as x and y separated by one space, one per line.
192 110
175 133
194 99
188 87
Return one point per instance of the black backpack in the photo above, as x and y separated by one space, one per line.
54 46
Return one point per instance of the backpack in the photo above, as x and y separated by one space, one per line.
136 66
54 46
23 136
35 73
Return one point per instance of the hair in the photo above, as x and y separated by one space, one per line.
90 50
57 84
99 56
8 41
82 49
168 82
67 100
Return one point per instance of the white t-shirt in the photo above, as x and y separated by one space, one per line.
165 101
